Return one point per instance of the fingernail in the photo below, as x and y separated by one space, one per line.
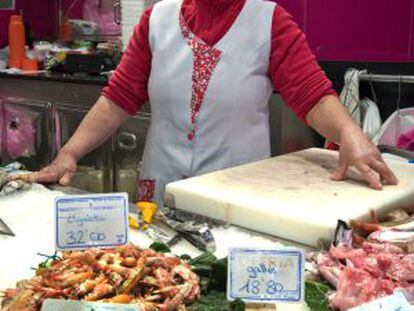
377 187
389 182
337 177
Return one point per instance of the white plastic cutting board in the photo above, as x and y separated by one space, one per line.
290 196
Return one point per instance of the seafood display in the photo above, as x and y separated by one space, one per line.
7 184
128 274
367 261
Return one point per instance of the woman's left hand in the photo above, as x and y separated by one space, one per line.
357 150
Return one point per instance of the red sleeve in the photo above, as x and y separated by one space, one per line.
128 86
293 68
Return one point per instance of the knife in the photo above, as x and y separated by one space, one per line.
4 229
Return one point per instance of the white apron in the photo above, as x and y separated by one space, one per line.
209 104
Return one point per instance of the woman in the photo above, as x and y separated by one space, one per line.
208 69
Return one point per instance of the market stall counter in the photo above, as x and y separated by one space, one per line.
365 256
30 215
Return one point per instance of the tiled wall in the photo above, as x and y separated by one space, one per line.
364 30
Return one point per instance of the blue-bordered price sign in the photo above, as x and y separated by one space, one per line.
98 220
266 275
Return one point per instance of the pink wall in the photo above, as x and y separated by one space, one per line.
363 30
4 21
76 10
41 16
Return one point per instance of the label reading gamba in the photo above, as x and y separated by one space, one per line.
84 221
271 275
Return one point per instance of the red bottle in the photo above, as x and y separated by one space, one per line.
17 41
65 30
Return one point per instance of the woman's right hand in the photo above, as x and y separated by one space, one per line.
61 171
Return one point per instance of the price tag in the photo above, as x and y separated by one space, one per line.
272 275
67 305
395 302
99 220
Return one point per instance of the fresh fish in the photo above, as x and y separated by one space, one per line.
406 224
155 234
343 234
184 216
191 228
397 216
12 186
13 167
403 239
3 178
202 239
7 185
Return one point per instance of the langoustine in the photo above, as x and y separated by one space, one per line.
128 274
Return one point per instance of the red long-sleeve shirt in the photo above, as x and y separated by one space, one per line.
293 68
